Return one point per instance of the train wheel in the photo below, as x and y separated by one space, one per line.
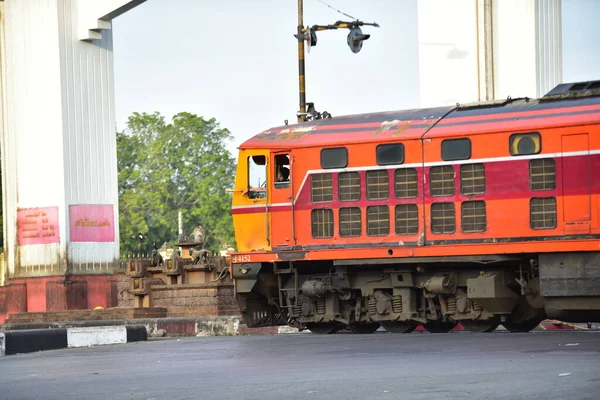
398 326
524 326
322 328
439 327
364 327
475 325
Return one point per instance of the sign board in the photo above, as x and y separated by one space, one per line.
92 223
37 225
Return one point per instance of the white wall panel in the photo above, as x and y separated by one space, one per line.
33 126
526 43
58 127
90 134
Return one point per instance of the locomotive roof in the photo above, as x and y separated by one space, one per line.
506 115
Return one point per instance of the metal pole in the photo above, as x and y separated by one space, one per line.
301 72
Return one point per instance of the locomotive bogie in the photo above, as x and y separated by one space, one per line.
399 297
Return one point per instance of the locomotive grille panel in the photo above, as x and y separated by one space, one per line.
441 180
443 218
473 216
349 186
407 219
472 179
542 174
405 183
378 220
377 185
322 223
372 306
350 222
543 213
397 304
320 306
321 188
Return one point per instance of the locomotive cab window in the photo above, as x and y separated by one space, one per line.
257 177
388 154
456 149
522 144
282 171
334 158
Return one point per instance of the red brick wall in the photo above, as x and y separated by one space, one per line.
52 294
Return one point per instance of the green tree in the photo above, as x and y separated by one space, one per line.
165 168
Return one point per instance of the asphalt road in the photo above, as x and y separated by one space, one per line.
499 365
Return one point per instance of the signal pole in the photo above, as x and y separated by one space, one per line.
301 72
355 39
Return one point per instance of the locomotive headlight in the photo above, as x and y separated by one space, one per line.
525 143
244 270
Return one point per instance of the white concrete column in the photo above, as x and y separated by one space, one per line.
505 48
59 136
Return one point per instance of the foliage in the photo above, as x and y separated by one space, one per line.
169 167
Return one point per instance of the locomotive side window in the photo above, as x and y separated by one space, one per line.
521 144
441 181
322 223
407 219
443 218
473 216
257 177
350 222
542 213
378 220
388 154
334 158
378 184
321 188
349 186
282 171
542 174
456 149
405 183
472 179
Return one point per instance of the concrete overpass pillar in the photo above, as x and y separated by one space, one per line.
477 50
59 166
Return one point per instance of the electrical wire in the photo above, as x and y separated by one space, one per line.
335 9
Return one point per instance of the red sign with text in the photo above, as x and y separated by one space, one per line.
92 223
37 225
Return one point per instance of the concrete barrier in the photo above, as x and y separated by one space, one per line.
27 341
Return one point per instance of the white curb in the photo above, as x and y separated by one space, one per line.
96 336
2 344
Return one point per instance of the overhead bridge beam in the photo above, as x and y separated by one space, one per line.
95 16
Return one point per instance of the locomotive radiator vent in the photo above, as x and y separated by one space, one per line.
477 307
441 181
451 301
405 183
397 304
443 218
542 174
320 305
372 306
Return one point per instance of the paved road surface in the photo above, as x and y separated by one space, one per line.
459 365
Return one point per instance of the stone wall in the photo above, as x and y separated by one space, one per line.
125 298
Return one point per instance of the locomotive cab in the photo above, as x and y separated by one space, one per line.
263 186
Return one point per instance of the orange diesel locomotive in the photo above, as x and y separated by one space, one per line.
481 214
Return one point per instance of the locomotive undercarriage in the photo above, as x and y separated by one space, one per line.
364 295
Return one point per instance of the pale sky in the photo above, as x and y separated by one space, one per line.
236 60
